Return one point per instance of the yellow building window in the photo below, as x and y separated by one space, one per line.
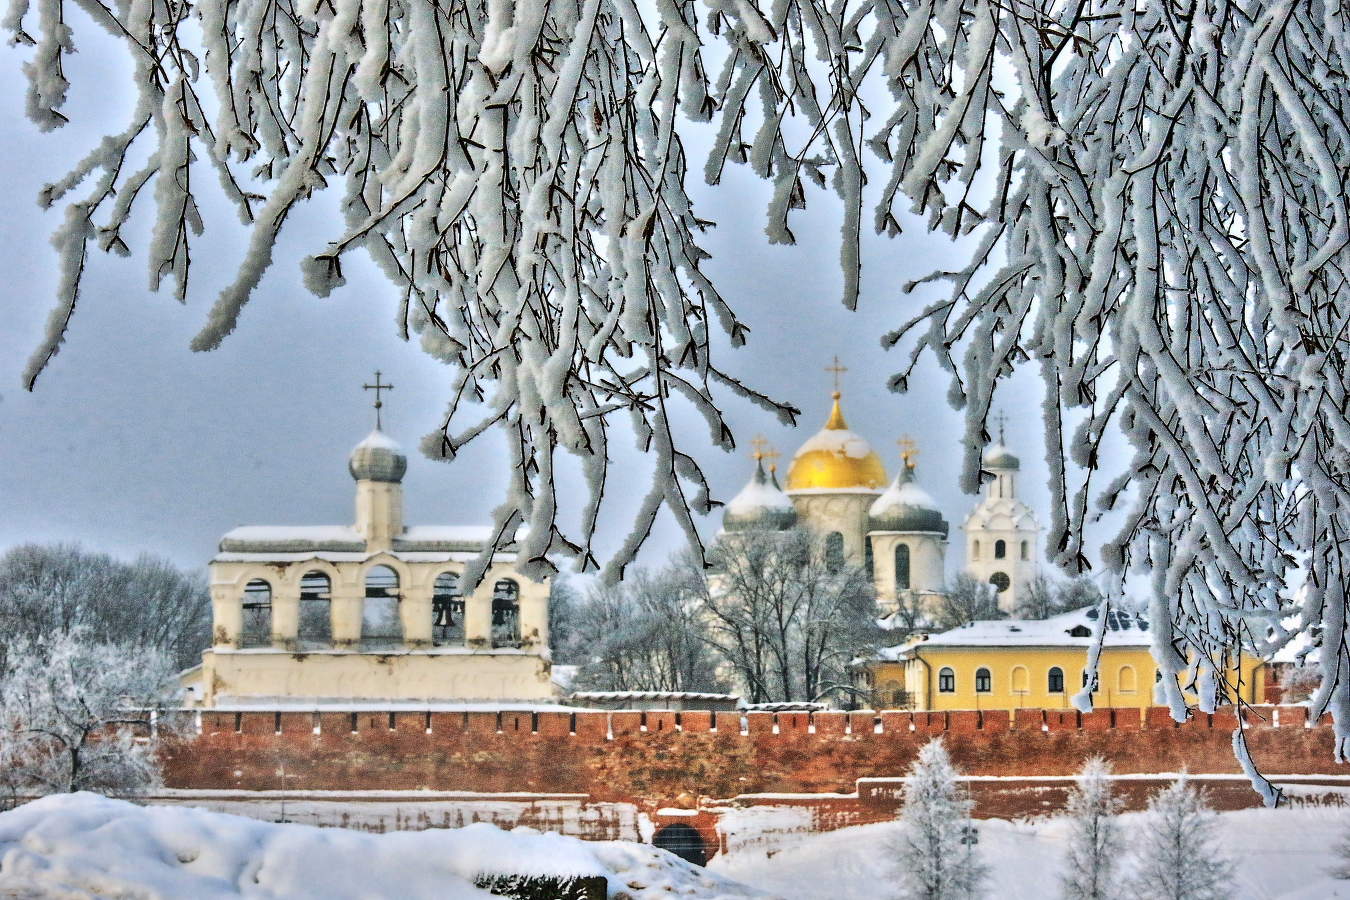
984 682
1128 681
1055 683
946 681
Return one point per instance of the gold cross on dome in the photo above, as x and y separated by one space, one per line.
909 451
377 387
837 370
759 443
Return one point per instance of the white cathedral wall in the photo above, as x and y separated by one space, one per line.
927 563
824 511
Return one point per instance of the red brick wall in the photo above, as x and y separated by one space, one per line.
652 757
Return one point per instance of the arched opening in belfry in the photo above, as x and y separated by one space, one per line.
447 611
315 628
380 625
506 613
256 628
684 841
834 552
1000 549
902 566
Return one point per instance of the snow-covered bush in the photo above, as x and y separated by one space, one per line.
1177 856
1095 843
76 715
935 852
1153 196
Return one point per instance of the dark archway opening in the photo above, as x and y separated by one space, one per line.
684 841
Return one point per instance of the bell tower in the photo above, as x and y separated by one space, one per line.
1002 535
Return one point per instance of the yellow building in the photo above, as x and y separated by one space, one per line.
1014 664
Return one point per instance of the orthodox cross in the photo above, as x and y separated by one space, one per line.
1000 418
759 443
377 388
837 370
909 451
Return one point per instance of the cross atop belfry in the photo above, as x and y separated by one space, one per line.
1000 418
377 387
836 370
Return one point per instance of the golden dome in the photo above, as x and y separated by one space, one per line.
836 458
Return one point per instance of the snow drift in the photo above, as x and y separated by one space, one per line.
85 845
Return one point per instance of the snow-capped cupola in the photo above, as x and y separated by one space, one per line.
998 457
378 458
760 504
904 506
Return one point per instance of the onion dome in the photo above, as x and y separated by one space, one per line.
835 458
760 504
378 458
998 457
905 506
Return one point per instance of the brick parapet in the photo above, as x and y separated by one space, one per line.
657 755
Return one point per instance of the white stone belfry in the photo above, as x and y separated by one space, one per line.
374 611
1002 534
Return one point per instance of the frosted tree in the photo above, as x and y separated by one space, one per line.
966 600
643 635
782 616
1150 195
148 602
77 715
1178 856
1095 842
935 851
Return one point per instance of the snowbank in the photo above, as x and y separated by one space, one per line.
86 846
1280 854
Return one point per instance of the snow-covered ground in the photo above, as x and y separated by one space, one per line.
1282 853
86 846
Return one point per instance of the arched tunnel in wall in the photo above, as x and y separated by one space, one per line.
682 840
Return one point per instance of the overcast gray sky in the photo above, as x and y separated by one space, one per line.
133 443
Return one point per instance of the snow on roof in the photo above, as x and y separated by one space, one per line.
86 845
378 440
343 543
837 440
1071 629
898 496
316 534
759 495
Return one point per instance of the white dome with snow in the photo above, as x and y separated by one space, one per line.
904 506
378 458
760 504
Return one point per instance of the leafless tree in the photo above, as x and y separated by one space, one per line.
53 589
783 617
966 600
1048 596
644 635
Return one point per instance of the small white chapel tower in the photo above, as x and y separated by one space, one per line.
1001 531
